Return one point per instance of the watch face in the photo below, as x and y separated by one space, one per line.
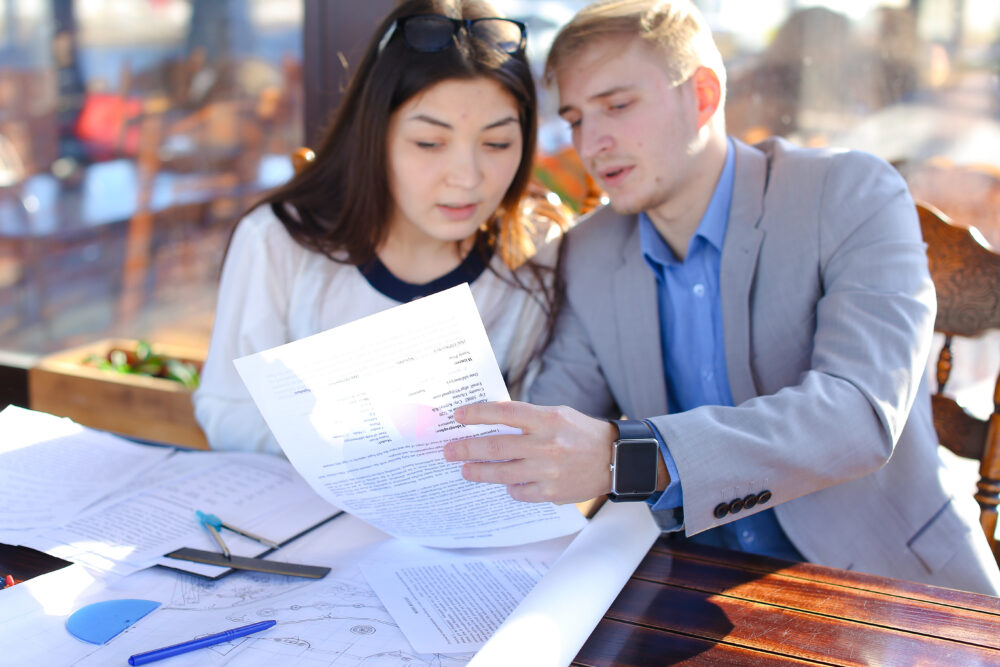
635 466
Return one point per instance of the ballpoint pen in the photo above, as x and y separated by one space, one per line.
201 642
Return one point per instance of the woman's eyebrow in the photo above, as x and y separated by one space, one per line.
430 119
503 121
440 123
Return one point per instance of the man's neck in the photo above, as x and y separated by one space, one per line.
678 218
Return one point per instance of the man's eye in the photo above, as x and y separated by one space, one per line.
619 107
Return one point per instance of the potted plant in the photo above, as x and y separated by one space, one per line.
125 386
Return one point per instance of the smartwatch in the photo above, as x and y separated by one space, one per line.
634 457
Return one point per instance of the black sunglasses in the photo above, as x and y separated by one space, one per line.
428 33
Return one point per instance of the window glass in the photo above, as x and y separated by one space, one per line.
134 132
132 135
913 81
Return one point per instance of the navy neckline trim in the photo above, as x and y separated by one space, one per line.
379 277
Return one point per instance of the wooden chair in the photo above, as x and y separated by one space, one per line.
966 276
968 193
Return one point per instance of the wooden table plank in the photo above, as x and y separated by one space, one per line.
778 589
847 578
619 644
784 631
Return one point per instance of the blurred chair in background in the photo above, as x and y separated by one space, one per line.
966 277
968 194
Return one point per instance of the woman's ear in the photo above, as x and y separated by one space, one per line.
708 93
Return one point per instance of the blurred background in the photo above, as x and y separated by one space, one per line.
133 133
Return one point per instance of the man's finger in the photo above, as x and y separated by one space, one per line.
486 448
507 472
511 413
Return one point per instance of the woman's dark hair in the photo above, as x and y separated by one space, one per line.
342 201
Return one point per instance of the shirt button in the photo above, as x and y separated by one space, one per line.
699 290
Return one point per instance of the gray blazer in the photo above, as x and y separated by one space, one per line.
828 313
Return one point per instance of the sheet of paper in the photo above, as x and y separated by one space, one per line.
155 515
53 468
452 602
337 620
554 620
53 593
364 410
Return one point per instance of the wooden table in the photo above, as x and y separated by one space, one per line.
695 605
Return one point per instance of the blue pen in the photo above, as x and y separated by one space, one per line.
201 642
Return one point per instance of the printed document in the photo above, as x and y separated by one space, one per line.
364 410
53 468
453 601
155 514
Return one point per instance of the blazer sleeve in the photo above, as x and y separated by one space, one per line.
841 416
570 369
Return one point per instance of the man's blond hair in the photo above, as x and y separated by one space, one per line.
673 28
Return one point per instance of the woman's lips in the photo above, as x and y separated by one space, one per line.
458 212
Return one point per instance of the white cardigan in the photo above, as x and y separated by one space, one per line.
274 291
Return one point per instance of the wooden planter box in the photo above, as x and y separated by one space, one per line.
148 408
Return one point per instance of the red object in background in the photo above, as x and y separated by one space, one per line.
103 125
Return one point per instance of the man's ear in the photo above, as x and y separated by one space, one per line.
708 93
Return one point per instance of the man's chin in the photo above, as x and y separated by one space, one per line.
624 207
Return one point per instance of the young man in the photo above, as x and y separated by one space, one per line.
764 312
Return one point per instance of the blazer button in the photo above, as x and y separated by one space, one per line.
721 510
736 505
763 497
749 501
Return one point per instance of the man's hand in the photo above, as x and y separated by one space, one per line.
563 456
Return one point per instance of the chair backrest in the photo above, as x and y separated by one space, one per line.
968 193
966 277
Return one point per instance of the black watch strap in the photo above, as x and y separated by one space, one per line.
635 456
633 429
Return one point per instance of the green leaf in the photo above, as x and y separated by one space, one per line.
184 373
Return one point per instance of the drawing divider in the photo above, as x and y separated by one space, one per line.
228 564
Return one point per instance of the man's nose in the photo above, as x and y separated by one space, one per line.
592 139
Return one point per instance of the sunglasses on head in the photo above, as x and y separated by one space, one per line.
428 33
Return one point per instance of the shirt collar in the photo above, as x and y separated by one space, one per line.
712 227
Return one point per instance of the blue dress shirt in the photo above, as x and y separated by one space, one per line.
694 357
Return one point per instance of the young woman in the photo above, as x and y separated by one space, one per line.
416 187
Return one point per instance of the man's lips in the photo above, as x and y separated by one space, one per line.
615 175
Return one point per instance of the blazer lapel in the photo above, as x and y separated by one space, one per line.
638 326
740 251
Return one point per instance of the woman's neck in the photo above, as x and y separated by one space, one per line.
419 261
